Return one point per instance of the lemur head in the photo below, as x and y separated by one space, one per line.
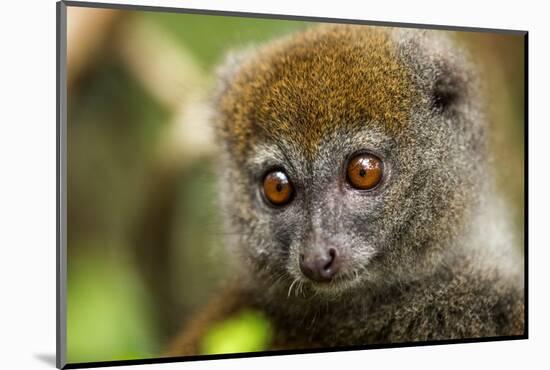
350 155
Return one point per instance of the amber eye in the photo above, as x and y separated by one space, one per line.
277 188
364 171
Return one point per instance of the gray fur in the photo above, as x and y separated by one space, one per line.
428 255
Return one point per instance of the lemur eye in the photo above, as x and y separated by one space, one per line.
364 171
277 188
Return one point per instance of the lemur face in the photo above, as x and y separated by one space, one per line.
343 153
325 216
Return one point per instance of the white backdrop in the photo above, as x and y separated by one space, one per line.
27 182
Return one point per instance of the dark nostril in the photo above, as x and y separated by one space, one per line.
330 259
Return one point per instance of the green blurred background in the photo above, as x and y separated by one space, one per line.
145 245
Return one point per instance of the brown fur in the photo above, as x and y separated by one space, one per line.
358 73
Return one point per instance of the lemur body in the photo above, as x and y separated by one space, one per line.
414 246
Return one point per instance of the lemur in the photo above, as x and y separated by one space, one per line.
360 204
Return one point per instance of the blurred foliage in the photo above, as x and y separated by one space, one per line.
500 59
144 235
247 331
210 37
108 313
197 208
112 124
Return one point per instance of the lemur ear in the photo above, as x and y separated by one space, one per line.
447 89
441 68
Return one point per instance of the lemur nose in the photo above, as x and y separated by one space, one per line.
321 265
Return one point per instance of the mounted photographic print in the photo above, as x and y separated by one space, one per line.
235 184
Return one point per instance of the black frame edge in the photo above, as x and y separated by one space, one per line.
526 184
61 252
162 360
166 9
